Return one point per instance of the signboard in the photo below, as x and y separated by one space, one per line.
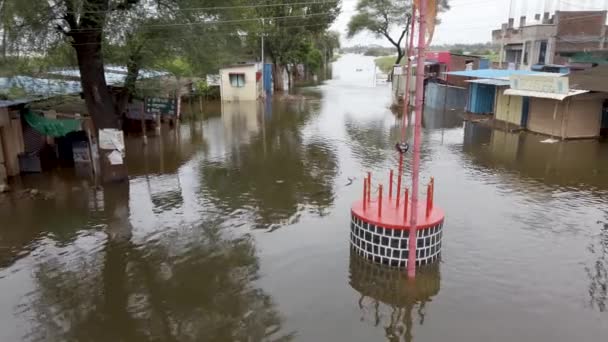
213 80
398 70
134 112
545 83
162 106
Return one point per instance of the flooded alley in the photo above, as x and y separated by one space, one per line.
235 227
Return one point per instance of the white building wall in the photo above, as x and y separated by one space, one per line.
251 91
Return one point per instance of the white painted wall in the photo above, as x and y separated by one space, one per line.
250 92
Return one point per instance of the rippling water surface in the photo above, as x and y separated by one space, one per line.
235 226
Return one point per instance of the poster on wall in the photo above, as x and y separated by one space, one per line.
111 139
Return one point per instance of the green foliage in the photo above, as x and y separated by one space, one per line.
383 17
13 93
314 60
385 63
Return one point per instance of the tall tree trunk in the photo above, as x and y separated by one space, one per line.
92 76
86 31
122 101
278 77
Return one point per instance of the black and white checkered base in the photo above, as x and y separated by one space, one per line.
390 246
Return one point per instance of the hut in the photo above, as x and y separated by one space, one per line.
241 82
556 110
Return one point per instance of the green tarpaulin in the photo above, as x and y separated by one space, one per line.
52 127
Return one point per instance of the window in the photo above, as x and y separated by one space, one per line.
237 80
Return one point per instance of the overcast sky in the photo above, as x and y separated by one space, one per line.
472 21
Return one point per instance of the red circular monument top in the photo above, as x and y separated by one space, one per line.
393 218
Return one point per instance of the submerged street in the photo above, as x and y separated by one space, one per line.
235 227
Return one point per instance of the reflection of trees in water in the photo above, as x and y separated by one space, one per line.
598 272
187 285
277 173
370 143
389 298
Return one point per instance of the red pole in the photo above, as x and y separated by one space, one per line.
364 193
380 200
407 195
428 199
432 192
400 173
411 261
369 186
390 188
406 95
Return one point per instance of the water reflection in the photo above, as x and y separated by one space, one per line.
438 118
187 285
270 168
598 271
566 163
389 299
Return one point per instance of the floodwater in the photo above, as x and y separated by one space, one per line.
235 228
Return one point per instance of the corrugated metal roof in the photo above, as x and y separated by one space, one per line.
10 103
543 95
491 73
40 86
497 82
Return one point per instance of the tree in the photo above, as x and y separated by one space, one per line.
385 17
291 29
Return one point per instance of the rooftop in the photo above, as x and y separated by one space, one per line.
491 73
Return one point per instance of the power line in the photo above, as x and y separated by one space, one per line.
214 33
221 8
214 22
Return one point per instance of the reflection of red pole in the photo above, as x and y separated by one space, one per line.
411 260
406 95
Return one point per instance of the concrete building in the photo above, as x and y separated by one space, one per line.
241 82
550 39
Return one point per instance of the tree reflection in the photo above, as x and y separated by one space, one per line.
372 143
389 298
191 285
276 173
598 272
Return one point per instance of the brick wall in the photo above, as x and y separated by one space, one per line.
580 30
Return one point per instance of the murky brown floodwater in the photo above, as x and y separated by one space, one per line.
235 228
